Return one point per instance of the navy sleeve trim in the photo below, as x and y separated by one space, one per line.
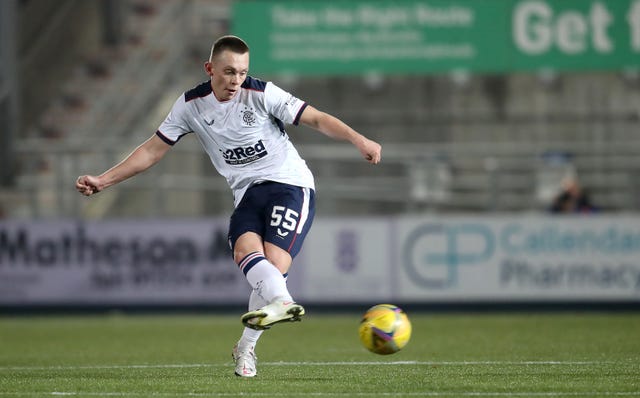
253 84
165 139
297 119
201 90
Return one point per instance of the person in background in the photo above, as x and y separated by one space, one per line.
572 199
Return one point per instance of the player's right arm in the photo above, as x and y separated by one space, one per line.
142 158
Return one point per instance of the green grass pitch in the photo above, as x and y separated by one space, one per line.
449 355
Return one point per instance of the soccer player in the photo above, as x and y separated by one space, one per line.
240 122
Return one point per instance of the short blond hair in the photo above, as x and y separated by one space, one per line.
228 42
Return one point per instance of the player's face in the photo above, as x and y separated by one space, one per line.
228 71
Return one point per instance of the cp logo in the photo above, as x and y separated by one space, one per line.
433 253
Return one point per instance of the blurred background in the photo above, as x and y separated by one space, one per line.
497 111
84 82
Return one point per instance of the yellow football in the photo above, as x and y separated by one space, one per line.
385 329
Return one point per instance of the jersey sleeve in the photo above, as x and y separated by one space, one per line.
283 105
174 125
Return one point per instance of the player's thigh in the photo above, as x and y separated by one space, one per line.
246 225
290 214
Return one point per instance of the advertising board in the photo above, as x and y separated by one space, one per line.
433 36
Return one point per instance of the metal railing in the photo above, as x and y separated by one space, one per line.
412 177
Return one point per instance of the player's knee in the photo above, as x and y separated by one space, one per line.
278 257
247 243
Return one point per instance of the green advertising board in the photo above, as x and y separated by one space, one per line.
433 36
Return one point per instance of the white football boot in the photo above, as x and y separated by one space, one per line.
270 314
245 362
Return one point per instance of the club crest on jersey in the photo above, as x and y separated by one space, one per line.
244 155
248 117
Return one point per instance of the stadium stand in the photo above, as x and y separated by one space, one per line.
452 143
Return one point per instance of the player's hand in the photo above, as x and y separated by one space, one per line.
87 185
371 150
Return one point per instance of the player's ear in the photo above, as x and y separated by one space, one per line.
208 68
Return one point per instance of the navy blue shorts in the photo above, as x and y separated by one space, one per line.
280 213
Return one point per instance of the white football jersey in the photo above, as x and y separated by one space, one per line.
244 136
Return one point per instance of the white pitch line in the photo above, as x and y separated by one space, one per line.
439 363
334 363
337 394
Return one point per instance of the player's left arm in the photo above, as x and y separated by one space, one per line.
335 128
